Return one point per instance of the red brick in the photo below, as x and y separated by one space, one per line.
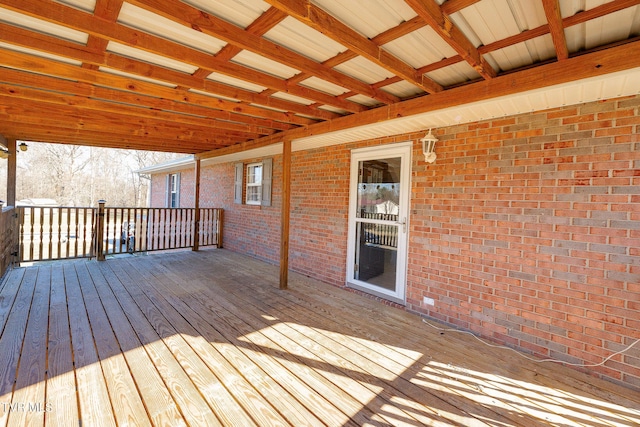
508 220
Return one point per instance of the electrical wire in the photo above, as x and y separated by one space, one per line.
531 358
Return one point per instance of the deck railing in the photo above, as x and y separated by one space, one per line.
8 238
52 233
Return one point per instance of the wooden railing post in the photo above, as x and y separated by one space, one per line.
99 227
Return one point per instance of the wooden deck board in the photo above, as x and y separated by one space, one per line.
128 407
207 338
160 405
94 404
60 374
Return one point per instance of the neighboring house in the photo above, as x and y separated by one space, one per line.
525 230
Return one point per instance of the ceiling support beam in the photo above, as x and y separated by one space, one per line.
221 29
432 14
318 19
554 18
594 64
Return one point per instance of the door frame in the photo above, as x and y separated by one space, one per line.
404 151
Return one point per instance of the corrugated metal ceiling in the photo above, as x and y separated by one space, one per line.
285 66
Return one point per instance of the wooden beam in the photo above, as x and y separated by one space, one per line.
109 31
597 63
116 106
318 19
196 205
25 62
219 28
81 89
48 133
442 24
452 6
554 18
285 213
12 164
567 22
69 117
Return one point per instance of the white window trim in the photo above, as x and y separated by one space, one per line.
170 191
253 184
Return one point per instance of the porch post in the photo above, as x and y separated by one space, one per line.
196 205
12 163
100 256
284 217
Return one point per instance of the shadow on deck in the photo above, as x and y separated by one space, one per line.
206 338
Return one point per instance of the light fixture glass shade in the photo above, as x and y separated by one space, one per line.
23 146
429 147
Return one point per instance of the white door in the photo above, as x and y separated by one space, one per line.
378 215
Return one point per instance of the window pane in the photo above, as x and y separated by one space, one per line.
254 184
254 174
253 194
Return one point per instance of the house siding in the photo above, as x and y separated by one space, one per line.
526 229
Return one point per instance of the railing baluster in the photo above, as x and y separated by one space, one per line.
153 228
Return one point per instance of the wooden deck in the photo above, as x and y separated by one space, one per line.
206 338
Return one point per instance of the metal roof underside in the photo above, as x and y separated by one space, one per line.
216 78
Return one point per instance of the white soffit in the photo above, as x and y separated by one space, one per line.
267 151
615 85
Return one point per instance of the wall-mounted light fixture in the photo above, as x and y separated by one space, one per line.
23 146
4 153
429 147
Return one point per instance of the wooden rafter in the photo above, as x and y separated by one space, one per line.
208 24
441 23
89 92
316 18
109 11
110 31
554 18
46 66
593 64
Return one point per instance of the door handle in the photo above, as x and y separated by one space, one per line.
403 223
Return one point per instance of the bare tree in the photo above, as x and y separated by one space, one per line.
79 175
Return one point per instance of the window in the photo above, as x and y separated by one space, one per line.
173 190
254 184
255 187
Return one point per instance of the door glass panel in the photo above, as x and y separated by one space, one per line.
376 254
378 197
378 188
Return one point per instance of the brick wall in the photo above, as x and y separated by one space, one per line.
526 230
186 193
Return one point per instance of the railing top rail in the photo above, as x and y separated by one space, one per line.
56 207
